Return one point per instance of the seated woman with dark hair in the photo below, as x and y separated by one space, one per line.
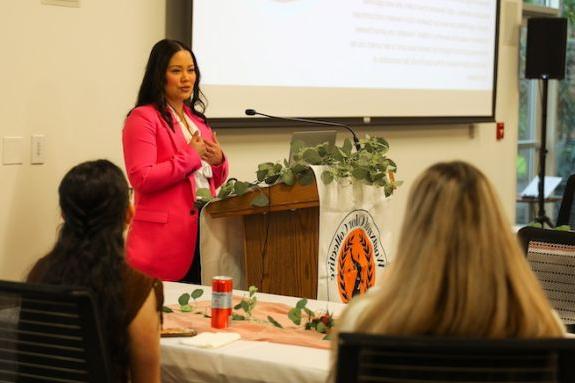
458 269
89 252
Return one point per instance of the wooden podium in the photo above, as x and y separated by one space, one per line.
281 240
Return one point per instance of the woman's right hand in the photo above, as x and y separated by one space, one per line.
198 143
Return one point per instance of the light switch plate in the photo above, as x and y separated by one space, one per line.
13 150
38 149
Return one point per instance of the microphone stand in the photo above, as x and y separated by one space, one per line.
252 112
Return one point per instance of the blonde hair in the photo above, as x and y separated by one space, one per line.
458 270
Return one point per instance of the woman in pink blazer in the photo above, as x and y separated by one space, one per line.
170 152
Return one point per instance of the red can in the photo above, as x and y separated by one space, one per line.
221 301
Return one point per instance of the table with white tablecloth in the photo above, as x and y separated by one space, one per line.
243 361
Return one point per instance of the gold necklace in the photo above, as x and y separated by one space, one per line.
183 119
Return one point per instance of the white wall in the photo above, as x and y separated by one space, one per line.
72 74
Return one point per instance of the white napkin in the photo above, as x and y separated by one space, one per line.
211 339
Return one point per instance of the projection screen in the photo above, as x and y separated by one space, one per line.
384 59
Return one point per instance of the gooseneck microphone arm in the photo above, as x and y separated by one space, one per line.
252 112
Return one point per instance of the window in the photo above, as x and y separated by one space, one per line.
561 100
563 150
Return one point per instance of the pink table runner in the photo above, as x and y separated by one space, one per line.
259 330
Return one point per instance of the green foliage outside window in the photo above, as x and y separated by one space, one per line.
565 135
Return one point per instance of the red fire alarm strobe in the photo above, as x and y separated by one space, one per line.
500 131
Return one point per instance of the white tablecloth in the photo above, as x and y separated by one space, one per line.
243 361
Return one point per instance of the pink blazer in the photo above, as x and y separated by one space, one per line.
160 165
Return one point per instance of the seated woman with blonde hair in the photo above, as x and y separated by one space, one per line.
89 252
458 270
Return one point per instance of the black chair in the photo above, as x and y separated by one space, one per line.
567 210
378 358
551 255
50 334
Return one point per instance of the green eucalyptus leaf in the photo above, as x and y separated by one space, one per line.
252 290
297 145
301 303
327 337
186 308
306 178
388 189
265 166
338 155
238 317
382 141
227 188
223 193
380 182
288 177
204 194
327 177
320 327
295 316
270 180
323 150
166 309
299 169
286 163
245 305
376 175
197 293
311 156
384 163
364 161
261 175
260 200
359 173
184 299
238 306
347 146
241 188
274 322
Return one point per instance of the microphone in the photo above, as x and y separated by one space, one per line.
253 112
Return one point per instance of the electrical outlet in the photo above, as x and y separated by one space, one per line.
38 149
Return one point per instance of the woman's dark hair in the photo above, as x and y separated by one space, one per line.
154 81
89 252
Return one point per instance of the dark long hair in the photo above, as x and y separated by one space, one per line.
89 252
154 81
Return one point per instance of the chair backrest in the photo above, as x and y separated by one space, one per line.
551 255
50 334
378 358
567 210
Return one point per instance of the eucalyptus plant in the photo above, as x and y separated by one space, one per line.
369 165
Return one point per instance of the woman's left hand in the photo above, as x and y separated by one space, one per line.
213 154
